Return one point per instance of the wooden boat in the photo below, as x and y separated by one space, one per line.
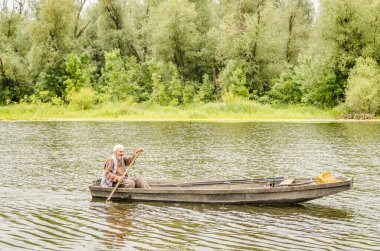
246 191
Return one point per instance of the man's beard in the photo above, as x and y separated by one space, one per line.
119 157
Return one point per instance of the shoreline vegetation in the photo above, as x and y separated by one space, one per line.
189 60
243 111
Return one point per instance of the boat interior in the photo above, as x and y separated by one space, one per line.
227 184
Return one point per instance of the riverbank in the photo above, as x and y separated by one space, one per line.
242 111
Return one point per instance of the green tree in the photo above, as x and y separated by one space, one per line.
206 92
234 81
14 81
189 92
363 90
167 87
118 83
297 16
52 38
78 73
14 45
370 23
254 35
286 89
120 26
84 99
203 58
172 32
173 52
336 43
139 75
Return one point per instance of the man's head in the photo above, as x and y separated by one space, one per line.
118 151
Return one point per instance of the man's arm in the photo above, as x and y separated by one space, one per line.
128 160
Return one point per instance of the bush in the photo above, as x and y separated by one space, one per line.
175 91
188 93
83 99
57 101
233 79
78 73
265 99
167 85
238 81
231 98
44 96
206 91
324 94
38 98
363 90
320 82
120 77
286 89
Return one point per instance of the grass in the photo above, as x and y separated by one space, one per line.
239 111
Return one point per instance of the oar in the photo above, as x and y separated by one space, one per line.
126 170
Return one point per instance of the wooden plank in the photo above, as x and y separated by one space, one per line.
286 182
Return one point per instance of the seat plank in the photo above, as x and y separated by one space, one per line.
286 182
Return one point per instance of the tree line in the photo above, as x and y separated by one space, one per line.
176 52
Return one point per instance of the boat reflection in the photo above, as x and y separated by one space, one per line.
307 209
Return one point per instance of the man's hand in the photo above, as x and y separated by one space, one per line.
139 150
119 179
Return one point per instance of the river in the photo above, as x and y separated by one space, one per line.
46 167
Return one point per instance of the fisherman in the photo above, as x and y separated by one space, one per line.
115 167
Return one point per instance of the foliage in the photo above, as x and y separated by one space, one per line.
229 97
189 92
78 73
116 78
84 99
172 31
207 90
363 90
167 87
13 73
51 35
318 81
234 81
179 52
340 37
286 89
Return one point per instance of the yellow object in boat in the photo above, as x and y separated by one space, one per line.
326 177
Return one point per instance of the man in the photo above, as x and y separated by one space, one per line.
115 167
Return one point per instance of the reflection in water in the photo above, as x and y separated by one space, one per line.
118 224
53 210
171 225
302 210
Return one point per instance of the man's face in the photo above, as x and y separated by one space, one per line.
119 153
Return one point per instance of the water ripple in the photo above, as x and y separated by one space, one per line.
45 169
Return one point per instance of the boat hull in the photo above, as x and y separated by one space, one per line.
226 194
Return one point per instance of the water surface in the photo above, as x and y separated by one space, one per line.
46 167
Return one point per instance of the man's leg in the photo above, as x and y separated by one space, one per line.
141 183
128 183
